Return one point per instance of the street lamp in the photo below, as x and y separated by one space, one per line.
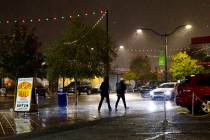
165 35
121 47
139 31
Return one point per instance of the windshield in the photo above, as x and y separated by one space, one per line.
167 86
73 83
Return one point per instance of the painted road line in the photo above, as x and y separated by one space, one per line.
161 134
2 128
35 123
9 123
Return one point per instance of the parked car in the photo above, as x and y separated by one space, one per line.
81 87
96 89
199 85
41 91
154 84
39 87
145 91
165 90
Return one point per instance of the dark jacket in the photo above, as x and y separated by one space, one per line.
104 88
122 88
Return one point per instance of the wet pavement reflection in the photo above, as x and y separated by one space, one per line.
50 115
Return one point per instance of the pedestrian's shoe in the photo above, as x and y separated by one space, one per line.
126 108
115 109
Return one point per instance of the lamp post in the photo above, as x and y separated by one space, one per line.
165 35
107 68
121 47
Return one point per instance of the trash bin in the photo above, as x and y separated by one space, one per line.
62 99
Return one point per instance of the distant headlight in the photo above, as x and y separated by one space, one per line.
168 93
151 93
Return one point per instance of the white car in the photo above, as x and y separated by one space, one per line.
165 90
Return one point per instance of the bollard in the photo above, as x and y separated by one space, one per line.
37 102
193 96
37 99
76 92
25 115
165 122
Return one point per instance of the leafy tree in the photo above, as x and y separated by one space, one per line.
206 67
196 52
80 53
200 53
182 65
130 75
141 66
19 55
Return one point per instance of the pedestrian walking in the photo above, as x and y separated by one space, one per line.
121 87
104 91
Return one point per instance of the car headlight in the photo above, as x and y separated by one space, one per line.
168 93
151 93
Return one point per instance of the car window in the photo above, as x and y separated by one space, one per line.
167 86
144 87
186 80
85 83
73 83
204 81
80 83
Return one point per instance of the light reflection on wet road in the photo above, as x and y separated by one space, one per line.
50 115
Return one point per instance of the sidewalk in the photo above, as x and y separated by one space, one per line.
129 127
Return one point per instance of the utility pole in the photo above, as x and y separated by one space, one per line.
166 59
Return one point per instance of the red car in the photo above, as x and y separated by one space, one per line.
200 86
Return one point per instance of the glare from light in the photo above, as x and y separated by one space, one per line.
139 31
92 49
169 105
151 93
167 93
152 107
121 47
188 27
43 63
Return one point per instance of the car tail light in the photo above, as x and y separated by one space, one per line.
187 90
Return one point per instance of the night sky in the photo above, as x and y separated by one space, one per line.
125 17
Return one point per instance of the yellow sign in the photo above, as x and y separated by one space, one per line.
24 91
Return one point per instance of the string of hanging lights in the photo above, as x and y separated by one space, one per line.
49 19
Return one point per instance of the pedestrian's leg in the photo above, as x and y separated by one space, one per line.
118 98
100 103
108 102
123 98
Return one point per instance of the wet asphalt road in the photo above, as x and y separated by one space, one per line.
143 120
140 127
